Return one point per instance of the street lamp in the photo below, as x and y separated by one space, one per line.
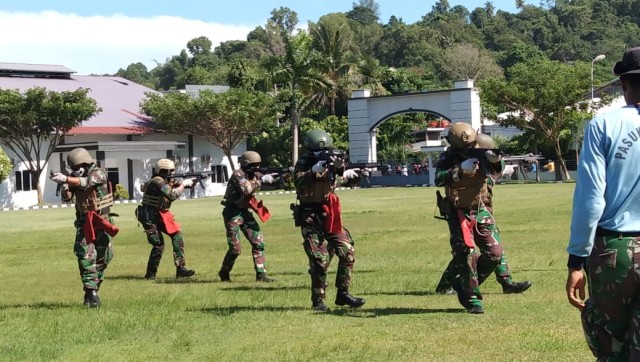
596 59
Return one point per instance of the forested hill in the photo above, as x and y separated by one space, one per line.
357 48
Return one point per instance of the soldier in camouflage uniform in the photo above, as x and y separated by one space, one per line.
605 225
469 213
502 271
155 217
318 216
94 224
242 187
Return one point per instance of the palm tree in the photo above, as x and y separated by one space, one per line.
298 72
333 42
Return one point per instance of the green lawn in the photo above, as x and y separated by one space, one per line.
400 252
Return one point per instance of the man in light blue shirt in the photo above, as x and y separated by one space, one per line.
605 225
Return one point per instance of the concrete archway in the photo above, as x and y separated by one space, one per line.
366 113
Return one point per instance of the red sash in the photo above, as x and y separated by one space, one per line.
333 219
95 223
466 225
258 207
169 222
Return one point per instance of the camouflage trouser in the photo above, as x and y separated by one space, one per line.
236 221
611 317
473 269
320 246
502 271
93 258
154 228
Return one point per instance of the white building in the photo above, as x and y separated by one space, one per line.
119 138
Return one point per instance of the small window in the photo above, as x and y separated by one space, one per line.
114 176
220 174
24 181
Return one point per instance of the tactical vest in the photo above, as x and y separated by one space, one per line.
153 196
470 191
233 196
97 196
312 187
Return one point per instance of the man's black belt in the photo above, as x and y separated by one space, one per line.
620 234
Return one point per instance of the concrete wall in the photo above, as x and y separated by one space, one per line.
205 157
461 104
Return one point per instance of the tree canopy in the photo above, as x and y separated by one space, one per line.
544 97
33 123
224 119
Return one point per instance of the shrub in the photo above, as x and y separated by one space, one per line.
121 193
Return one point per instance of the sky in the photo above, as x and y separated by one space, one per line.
102 36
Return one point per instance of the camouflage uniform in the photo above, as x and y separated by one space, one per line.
605 225
93 257
502 271
611 309
238 218
158 196
313 192
471 206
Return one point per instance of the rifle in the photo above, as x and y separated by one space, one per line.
480 154
330 156
196 176
59 185
443 205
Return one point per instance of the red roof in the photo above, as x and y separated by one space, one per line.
109 130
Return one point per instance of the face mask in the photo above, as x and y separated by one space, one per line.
78 172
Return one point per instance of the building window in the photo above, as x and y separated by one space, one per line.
114 177
24 181
220 174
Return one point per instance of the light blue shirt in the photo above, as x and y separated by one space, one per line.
607 192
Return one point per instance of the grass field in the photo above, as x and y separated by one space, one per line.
401 251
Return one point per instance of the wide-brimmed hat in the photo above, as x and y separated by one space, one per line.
630 62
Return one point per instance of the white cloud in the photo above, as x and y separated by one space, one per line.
102 44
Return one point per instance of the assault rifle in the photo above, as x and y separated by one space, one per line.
481 155
59 186
195 176
277 172
330 156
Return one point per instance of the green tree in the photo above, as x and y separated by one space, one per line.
137 72
224 119
33 123
298 73
332 37
544 97
5 165
466 61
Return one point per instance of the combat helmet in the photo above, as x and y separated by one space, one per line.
484 141
79 156
249 157
317 139
166 164
461 135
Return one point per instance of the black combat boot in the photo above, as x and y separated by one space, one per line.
444 289
224 276
151 275
91 298
182 272
262 277
318 305
344 298
509 287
